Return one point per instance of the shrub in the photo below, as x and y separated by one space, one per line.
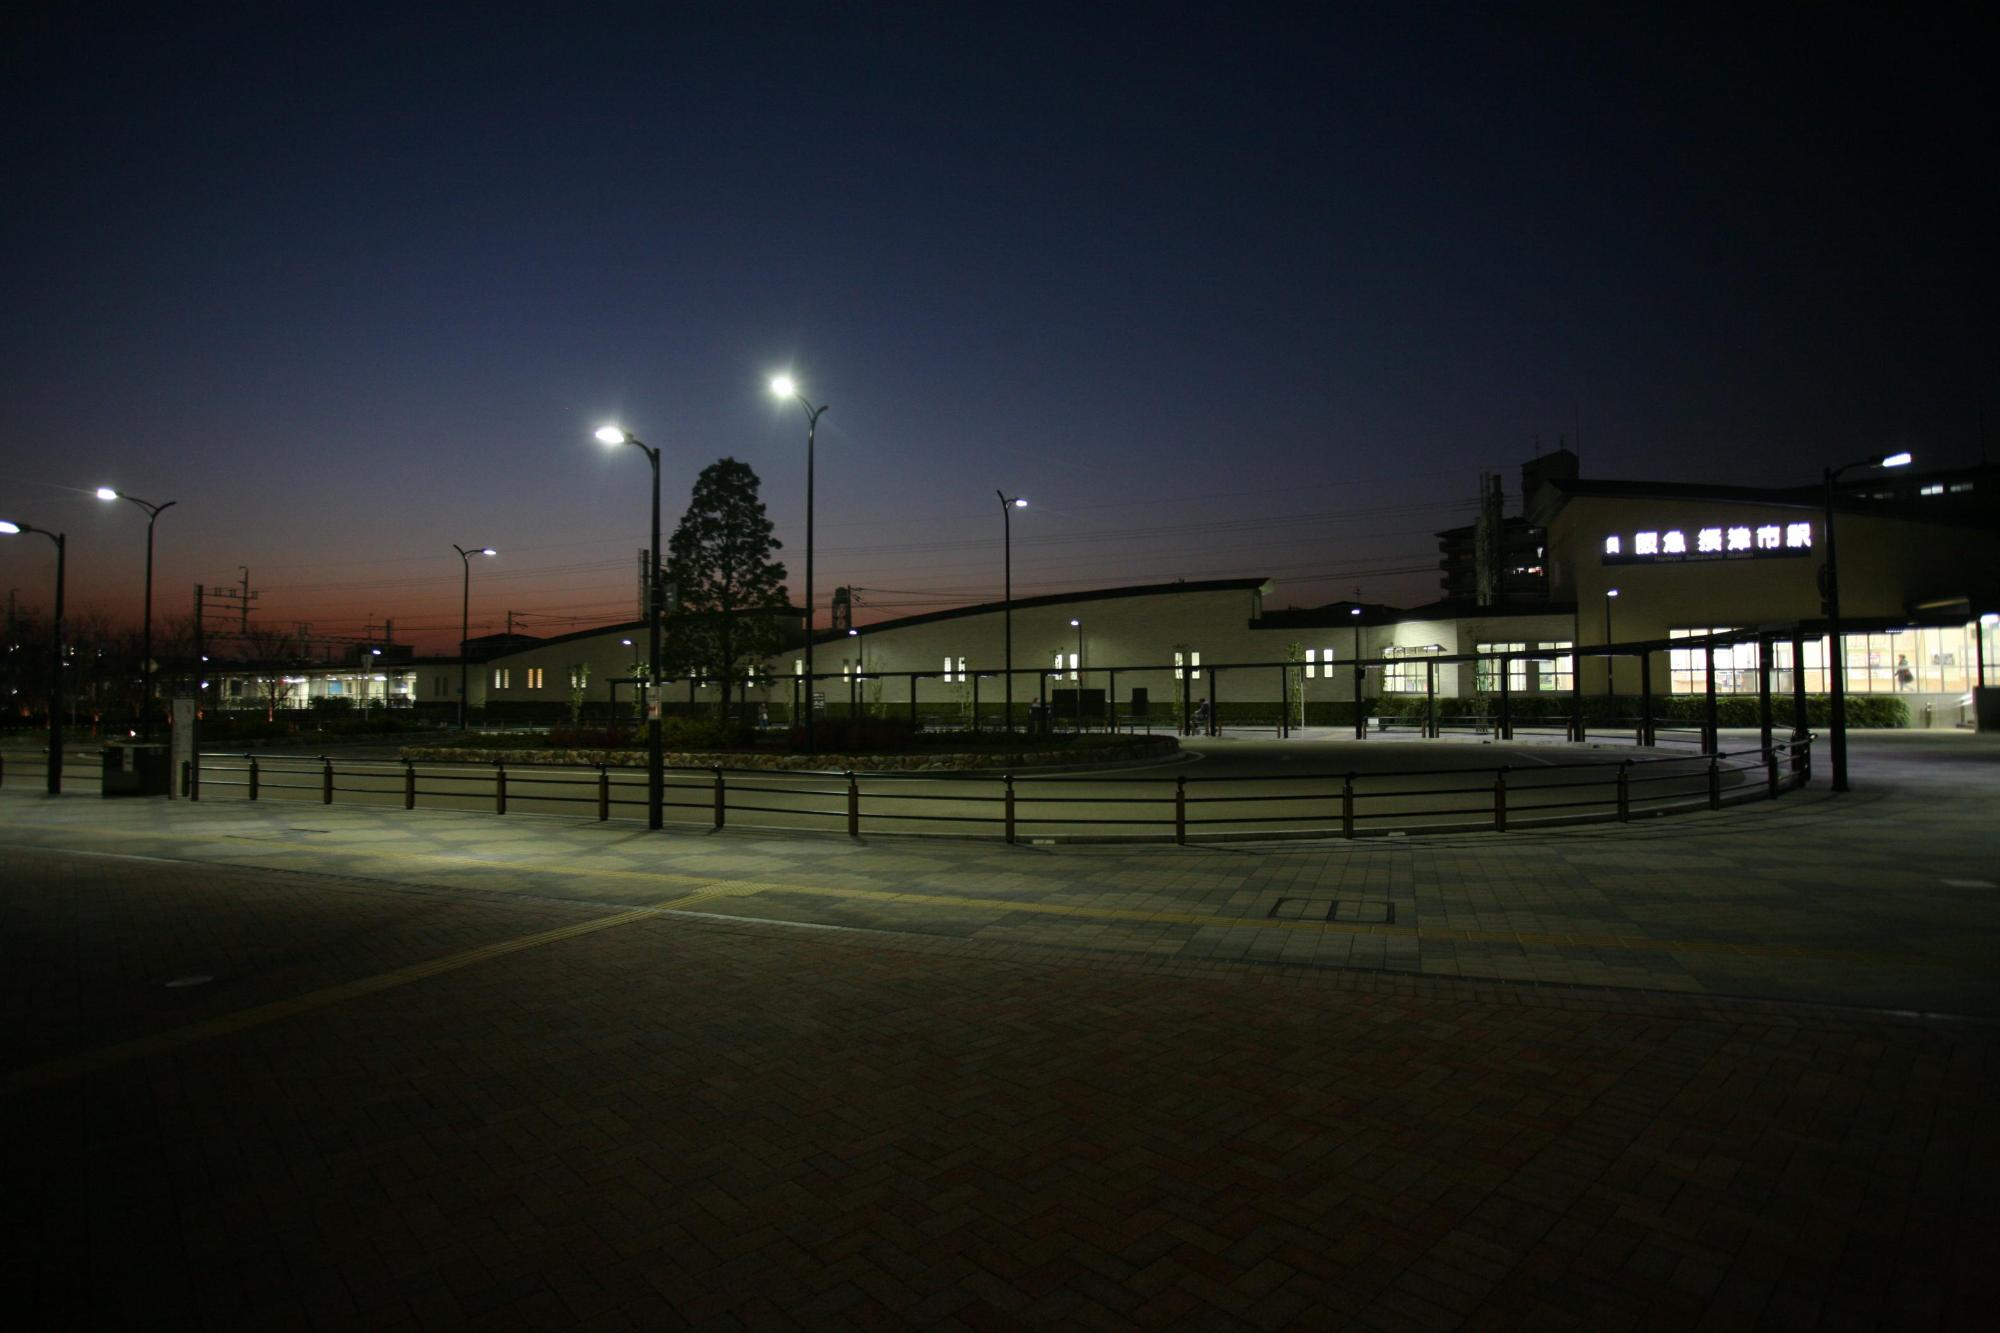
858 735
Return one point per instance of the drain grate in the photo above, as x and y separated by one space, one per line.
1349 911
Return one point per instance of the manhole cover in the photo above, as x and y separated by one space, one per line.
1351 911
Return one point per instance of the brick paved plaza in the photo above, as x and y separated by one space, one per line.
301 1067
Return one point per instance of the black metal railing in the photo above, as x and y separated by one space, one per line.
1181 808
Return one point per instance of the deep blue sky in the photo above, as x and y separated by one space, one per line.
1255 291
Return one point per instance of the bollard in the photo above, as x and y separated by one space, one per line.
326 781
853 806
1347 806
1624 790
1500 800
253 775
603 793
1714 783
499 787
718 796
1180 810
1009 780
1771 771
409 785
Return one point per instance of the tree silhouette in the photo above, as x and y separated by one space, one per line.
731 592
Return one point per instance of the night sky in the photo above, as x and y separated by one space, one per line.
1224 292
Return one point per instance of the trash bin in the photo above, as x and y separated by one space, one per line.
137 768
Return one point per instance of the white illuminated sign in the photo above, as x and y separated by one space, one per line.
1735 542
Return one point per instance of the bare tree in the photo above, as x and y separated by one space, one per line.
272 654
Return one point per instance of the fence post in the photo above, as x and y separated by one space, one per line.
499 787
253 775
1180 810
409 785
1347 806
1714 783
1624 790
603 793
718 796
1771 770
326 781
1009 780
853 806
1500 800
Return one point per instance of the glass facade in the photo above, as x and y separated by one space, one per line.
1924 660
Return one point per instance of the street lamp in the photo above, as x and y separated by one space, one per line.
56 654
1077 674
656 762
783 386
1610 681
1007 507
464 623
153 513
1837 700
1360 677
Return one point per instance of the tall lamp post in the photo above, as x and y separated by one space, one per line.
656 762
465 625
783 386
1360 678
1077 675
1610 681
1837 689
55 654
153 513
1008 504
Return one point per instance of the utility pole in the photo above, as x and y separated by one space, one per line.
243 612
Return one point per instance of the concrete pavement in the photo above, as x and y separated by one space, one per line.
451 1070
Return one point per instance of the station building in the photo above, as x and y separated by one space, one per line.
1583 563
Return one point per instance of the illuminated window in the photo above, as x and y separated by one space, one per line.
954 674
1674 543
1768 537
501 675
1058 671
1798 535
798 666
534 678
1486 676
1646 543
1735 665
1612 546
1935 488
1709 539
1189 660
1738 539
1312 663
1556 673
1405 673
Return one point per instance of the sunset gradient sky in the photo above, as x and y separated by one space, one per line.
1224 290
